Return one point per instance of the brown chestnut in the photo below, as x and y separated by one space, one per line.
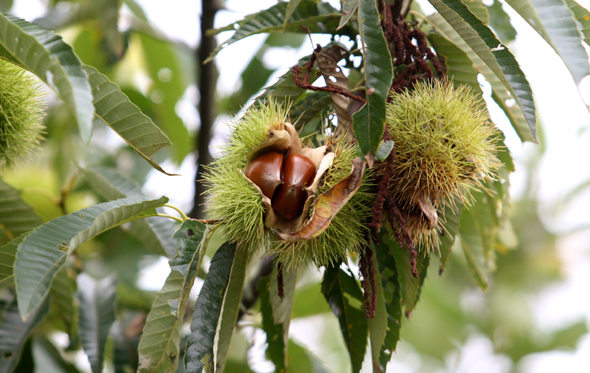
289 199
265 171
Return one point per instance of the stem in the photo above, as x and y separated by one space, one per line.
182 214
170 217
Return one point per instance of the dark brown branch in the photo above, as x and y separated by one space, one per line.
400 230
303 83
207 82
368 284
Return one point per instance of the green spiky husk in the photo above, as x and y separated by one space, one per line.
231 197
21 113
347 232
236 201
445 144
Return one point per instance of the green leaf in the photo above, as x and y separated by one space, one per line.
156 233
301 360
392 296
500 22
458 64
582 15
200 345
474 241
491 51
478 9
7 257
53 61
63 300
346 301
97 314
125 118
447 240
378 325
126 335
349 7
47 353
313 105
369 121
159 347
500 93
555 23
318 17
410 286
291 6
16 217
14 332
231 305
44 250
284 90
276 315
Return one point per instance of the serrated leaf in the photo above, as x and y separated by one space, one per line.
317 17
346 301
200 345
500 93
555 23
291 6
14 332
44 250
7 257
459 66
500 22
410 286
16 216
125 118
478 9
378 325
159 347
493 53
231 305
96 299
582 15
369 121
349 7
276 315
155 233
284 90
392 298
447 240
53 61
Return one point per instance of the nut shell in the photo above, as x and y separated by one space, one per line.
265 171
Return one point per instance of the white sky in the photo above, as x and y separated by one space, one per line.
563 115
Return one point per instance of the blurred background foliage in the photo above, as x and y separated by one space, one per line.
162 77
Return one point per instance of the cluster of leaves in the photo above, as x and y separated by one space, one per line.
49 271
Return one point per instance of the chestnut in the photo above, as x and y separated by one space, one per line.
289 199
265 171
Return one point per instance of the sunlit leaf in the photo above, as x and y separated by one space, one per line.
493 53
582 15
7 257
317 17
14 332
53 61
478 9
346 301
159 347
44 250
200 345
500 93
124 117
155 233
96 299
301 360
369 121
555 23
